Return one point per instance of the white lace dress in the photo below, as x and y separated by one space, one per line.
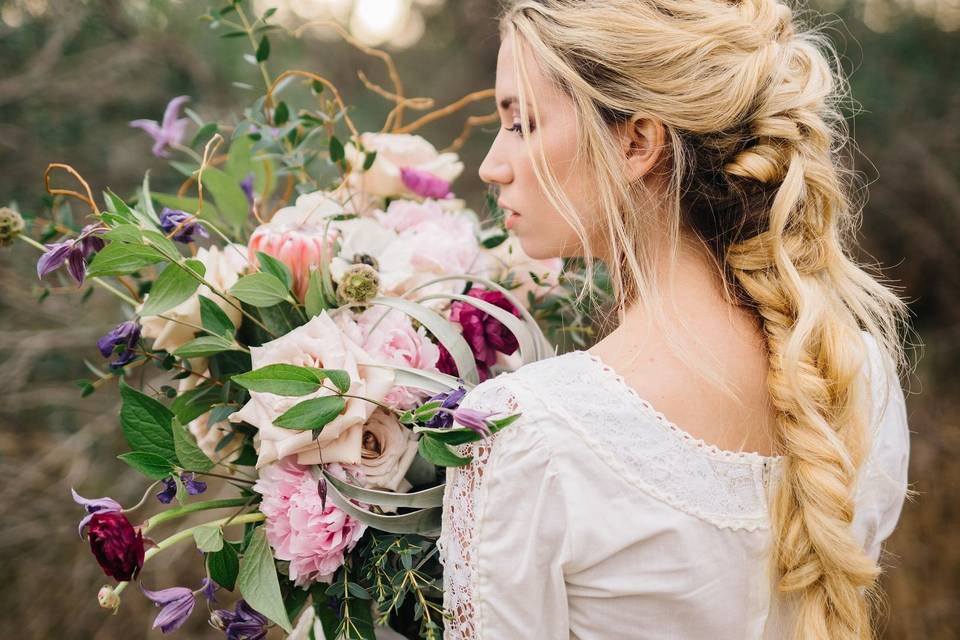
593 516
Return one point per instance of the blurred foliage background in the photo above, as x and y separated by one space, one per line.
74 72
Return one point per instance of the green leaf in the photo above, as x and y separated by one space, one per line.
192 404
260 290
161 243
314 301
146 424
263 49
281 114
230 198
241 163
120 258
368 159
215 320
358 591
339 377
223 566
125 233
209 539
269 264
204 133
116 205
336 149
317 86
204 346
152 221
280 379
439 453
151 465
172 287
258 581
188 453
313 414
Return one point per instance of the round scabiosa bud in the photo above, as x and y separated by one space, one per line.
117 546
359 283
11 224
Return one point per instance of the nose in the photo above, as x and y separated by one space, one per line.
495 169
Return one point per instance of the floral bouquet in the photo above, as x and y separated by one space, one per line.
314 302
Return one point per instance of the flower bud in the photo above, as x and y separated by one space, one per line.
11 224
108 598
359 283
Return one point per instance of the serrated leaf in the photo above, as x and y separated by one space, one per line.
258 580
146 423
150 465
203 347
215 320
260 290
439 453
118 259
188 453
313 414
209 539
224 565
173 286
263 49
269 264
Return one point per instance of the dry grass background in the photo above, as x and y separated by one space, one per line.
74 80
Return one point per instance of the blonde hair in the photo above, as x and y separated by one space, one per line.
751 108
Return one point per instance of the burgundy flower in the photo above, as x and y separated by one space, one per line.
117 546
93 506
485 334
446 364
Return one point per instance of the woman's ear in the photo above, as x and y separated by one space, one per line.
642 140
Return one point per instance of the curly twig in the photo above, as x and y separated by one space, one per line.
88 197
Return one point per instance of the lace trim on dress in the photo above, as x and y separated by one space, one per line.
463 504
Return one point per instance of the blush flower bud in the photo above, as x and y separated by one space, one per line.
108 598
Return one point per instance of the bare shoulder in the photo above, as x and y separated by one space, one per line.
733 348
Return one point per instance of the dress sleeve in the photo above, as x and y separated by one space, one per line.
504 540
882 487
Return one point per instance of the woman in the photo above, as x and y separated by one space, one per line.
728 460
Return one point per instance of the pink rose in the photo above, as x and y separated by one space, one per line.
314 538
391 339
319 343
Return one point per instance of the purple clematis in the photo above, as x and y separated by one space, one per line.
186 225
75 252
247 185
177 605
449 400
126 334
191 484
425 185
170 131
243 623
474 420
94 505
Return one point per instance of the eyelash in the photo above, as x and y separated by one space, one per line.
516 129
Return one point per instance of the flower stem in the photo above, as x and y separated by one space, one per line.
186 533
179 512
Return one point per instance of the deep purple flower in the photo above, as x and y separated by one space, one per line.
126 334
425 185
485 334
247 185
194 486
170 131
446 364
75 252
117 546
177 605
93 506
243 623
473 420
449 400
209 590
190 483
185 223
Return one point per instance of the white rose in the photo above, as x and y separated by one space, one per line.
223 269
388 451
396 151
319 343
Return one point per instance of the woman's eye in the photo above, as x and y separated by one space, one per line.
516 128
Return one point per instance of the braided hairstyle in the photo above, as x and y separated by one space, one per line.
758 148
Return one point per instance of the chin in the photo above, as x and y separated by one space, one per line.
538 249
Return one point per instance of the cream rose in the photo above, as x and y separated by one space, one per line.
223 269
396 151
388 451
319 343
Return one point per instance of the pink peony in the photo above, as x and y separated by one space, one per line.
312 537
407 214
